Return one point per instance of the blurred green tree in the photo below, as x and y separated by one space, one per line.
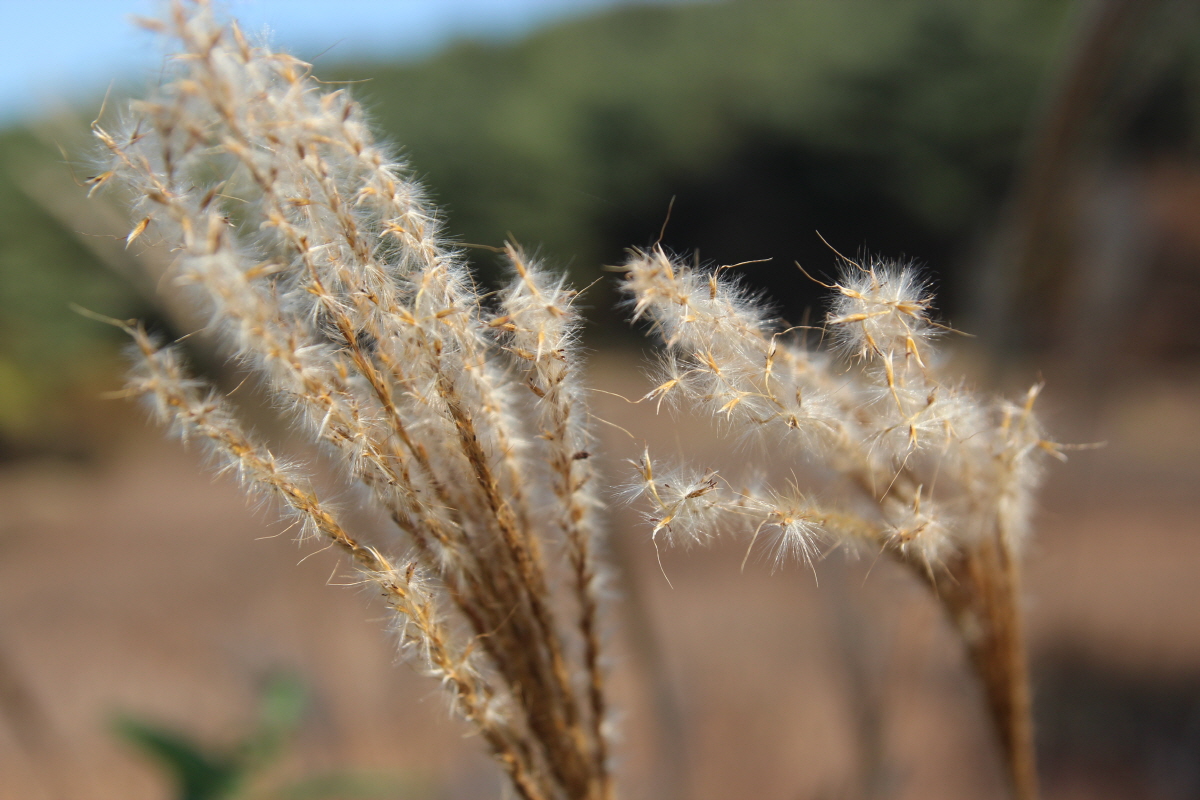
888 124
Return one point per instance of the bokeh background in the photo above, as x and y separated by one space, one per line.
1039 158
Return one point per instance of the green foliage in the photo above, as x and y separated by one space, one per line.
44 347
196 774
590 127
768 119
200 772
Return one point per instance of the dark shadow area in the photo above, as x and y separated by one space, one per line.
774 199
1116 733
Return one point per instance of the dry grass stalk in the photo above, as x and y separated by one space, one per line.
325 271
942 479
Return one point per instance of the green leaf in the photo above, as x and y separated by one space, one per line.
197 775
280 711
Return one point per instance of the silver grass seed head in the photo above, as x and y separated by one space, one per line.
881 310
919 526
692 308
789 526
683 505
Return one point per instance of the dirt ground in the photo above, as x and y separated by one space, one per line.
133 583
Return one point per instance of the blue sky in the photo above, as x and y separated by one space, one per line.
58 51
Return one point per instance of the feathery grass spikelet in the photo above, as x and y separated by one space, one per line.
326 272
940 477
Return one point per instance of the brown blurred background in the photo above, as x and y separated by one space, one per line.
1040 159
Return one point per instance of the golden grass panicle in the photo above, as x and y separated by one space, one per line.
940 477
325 271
